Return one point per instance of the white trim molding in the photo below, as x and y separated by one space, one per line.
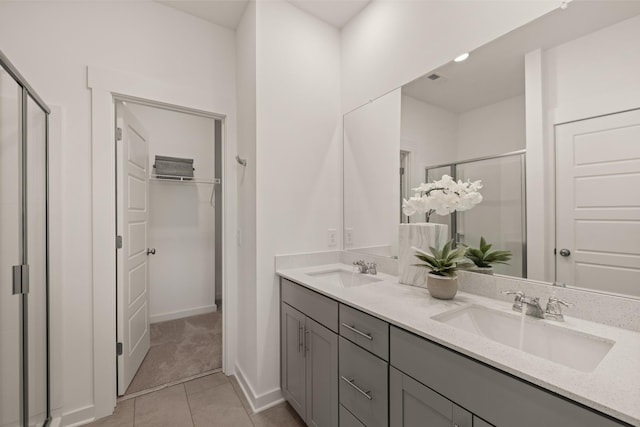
78 417
258 402
172 315
105 85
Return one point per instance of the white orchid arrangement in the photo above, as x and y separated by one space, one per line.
443 197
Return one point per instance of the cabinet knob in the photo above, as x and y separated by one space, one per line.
565 252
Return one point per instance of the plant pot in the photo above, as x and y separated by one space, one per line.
482 270
442 287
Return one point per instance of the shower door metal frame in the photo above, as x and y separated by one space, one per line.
27 93
523 172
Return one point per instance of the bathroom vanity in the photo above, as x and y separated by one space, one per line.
376 354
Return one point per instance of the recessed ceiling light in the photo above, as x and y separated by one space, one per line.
461 57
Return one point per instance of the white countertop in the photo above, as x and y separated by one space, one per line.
612 388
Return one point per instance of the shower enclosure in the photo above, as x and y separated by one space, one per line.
24 279
500 218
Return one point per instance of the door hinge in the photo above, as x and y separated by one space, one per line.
118 349
118 242
20 279
118 134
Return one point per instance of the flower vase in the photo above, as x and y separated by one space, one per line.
419 235
442 287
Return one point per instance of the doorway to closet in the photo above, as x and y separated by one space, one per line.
169 246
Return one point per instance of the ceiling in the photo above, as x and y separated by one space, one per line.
228 13
495 71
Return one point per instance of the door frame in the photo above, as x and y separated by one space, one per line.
106 87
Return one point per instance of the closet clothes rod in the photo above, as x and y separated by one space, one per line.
183 179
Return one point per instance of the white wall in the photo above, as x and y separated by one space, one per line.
371 165
246 232
436 136
52 43
391 43
429 133
601 68
181 217
492 129
298 152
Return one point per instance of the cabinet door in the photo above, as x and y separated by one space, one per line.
292 359
321 347
413 404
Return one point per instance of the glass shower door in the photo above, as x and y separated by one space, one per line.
500 218
10 250
24 376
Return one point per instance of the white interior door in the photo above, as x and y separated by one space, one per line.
598 203
132 224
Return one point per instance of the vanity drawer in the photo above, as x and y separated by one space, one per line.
348 420
497 397
367 331
318 307
363 384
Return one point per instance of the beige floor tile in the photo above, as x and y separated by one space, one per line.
236 386
282 415
218 407
164 408
122 416
204 383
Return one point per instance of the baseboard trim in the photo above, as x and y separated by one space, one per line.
79 417
163 317
260 402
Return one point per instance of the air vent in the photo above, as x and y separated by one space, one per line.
433 76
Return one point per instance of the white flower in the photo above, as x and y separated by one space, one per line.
443 197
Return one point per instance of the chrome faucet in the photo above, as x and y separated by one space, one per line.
554 309
364 268
532 304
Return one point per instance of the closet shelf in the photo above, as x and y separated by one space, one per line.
181 179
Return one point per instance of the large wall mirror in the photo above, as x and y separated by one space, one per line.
544 116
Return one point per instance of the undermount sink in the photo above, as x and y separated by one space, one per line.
570 348
343 278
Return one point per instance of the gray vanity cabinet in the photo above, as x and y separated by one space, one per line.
363 384
293 369
309 354
497 397
412 404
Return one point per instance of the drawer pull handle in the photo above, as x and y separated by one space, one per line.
363 334
300 337
352 383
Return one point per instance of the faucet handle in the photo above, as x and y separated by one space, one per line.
518 294
517 301
554 309
373 268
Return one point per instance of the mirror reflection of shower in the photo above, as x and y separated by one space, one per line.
500 218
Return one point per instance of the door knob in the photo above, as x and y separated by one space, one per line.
565 252
151 251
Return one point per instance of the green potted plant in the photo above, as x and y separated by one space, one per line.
442 281
483 257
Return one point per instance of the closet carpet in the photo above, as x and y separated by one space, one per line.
179 349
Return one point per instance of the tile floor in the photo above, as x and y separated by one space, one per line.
211 401
180 349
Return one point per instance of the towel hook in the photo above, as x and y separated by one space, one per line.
243 162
